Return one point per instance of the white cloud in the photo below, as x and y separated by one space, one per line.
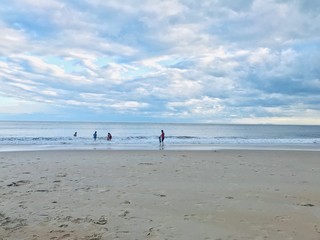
11 40
49 93
191 59
10 106
40 4
204 107
129 105
162 9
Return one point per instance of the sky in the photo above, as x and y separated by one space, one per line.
208 61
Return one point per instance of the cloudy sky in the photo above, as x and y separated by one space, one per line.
217 61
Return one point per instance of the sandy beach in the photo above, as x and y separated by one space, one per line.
196 195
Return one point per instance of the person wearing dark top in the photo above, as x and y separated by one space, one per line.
109 137
95 135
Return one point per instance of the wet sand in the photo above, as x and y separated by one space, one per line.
219 195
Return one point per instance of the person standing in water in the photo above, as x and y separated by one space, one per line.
161 137
109 137
95 135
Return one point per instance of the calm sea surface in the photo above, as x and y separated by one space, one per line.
47 135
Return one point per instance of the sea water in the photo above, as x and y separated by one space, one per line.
46 135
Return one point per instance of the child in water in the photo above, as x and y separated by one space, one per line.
109 137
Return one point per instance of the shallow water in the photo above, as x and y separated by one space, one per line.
59 135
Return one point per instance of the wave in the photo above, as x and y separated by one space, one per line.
147 140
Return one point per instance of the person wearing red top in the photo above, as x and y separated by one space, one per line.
161 137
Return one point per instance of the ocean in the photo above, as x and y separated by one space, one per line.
59 135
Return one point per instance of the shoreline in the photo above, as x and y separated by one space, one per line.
142 147
143 194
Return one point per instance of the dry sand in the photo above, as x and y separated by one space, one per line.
196 195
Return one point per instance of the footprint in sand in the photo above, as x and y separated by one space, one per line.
159 195
94 236
306 204
124 214
153 232
8 223
145 163
61 175
18 183
102 221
